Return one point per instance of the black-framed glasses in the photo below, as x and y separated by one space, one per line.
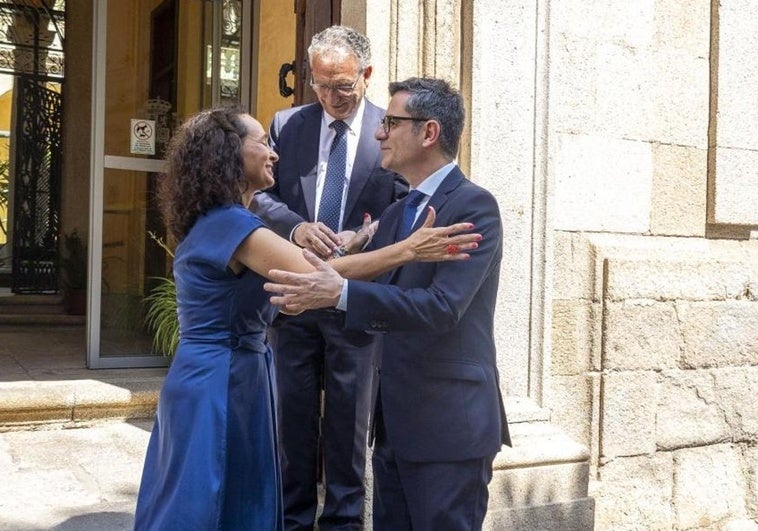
389 121
342 90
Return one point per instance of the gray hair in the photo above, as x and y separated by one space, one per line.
435 99
342 42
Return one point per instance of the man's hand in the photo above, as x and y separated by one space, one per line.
355 242
296 292
317 238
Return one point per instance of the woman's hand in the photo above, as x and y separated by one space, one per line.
441 244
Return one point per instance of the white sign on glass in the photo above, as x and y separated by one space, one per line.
143 137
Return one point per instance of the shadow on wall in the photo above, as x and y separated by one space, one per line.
537 494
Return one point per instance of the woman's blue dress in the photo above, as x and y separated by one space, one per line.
212 458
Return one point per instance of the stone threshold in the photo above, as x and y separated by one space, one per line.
34 402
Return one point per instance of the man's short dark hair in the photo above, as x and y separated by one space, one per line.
435 99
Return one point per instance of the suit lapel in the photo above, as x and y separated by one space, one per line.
366 156
308 139
439 198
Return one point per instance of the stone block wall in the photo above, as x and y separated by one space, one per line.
618 139
655 369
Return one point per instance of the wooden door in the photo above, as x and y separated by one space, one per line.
312 17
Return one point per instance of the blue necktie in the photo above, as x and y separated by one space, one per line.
409 213
330 207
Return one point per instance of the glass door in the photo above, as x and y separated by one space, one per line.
155 62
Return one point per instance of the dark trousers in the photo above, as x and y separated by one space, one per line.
312 350
420 496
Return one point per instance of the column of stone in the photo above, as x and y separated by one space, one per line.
441 40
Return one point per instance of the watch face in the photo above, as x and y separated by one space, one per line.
339 251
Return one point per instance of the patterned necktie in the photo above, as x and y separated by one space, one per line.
409 213
330 207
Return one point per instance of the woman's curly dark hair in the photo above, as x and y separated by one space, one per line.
204 168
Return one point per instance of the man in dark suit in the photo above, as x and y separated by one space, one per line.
328 178
439 416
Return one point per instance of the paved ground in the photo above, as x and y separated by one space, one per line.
71 478
68 459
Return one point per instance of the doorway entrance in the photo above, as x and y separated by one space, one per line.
31 86
157 63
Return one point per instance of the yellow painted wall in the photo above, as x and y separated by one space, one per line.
6 100
276 45
128 63
126 91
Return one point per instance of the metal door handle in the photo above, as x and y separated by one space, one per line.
285 69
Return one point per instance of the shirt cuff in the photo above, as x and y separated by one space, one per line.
292 232
342 303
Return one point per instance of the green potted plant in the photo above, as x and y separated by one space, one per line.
161 317
73 264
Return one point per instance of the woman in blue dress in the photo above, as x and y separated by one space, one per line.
212 459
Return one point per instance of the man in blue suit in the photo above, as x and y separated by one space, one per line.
439 416
328 178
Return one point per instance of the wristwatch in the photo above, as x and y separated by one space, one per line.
339 252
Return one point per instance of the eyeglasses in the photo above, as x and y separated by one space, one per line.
389 121
342 90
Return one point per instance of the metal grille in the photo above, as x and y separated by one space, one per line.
31 38
37 188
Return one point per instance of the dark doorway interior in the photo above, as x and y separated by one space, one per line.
163 79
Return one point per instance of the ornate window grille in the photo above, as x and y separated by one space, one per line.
31 38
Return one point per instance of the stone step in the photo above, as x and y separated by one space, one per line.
34 402
22 303
25 299
31 309
44 380
542 481
43 319
23 309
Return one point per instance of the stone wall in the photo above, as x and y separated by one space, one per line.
619 140
655 369
654 358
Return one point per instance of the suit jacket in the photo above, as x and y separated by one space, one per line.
439 392
294 135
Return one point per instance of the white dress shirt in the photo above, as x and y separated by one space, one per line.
327 135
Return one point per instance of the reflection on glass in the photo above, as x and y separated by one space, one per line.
156 69
123 265
222 61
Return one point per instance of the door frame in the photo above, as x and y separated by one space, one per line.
99 162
